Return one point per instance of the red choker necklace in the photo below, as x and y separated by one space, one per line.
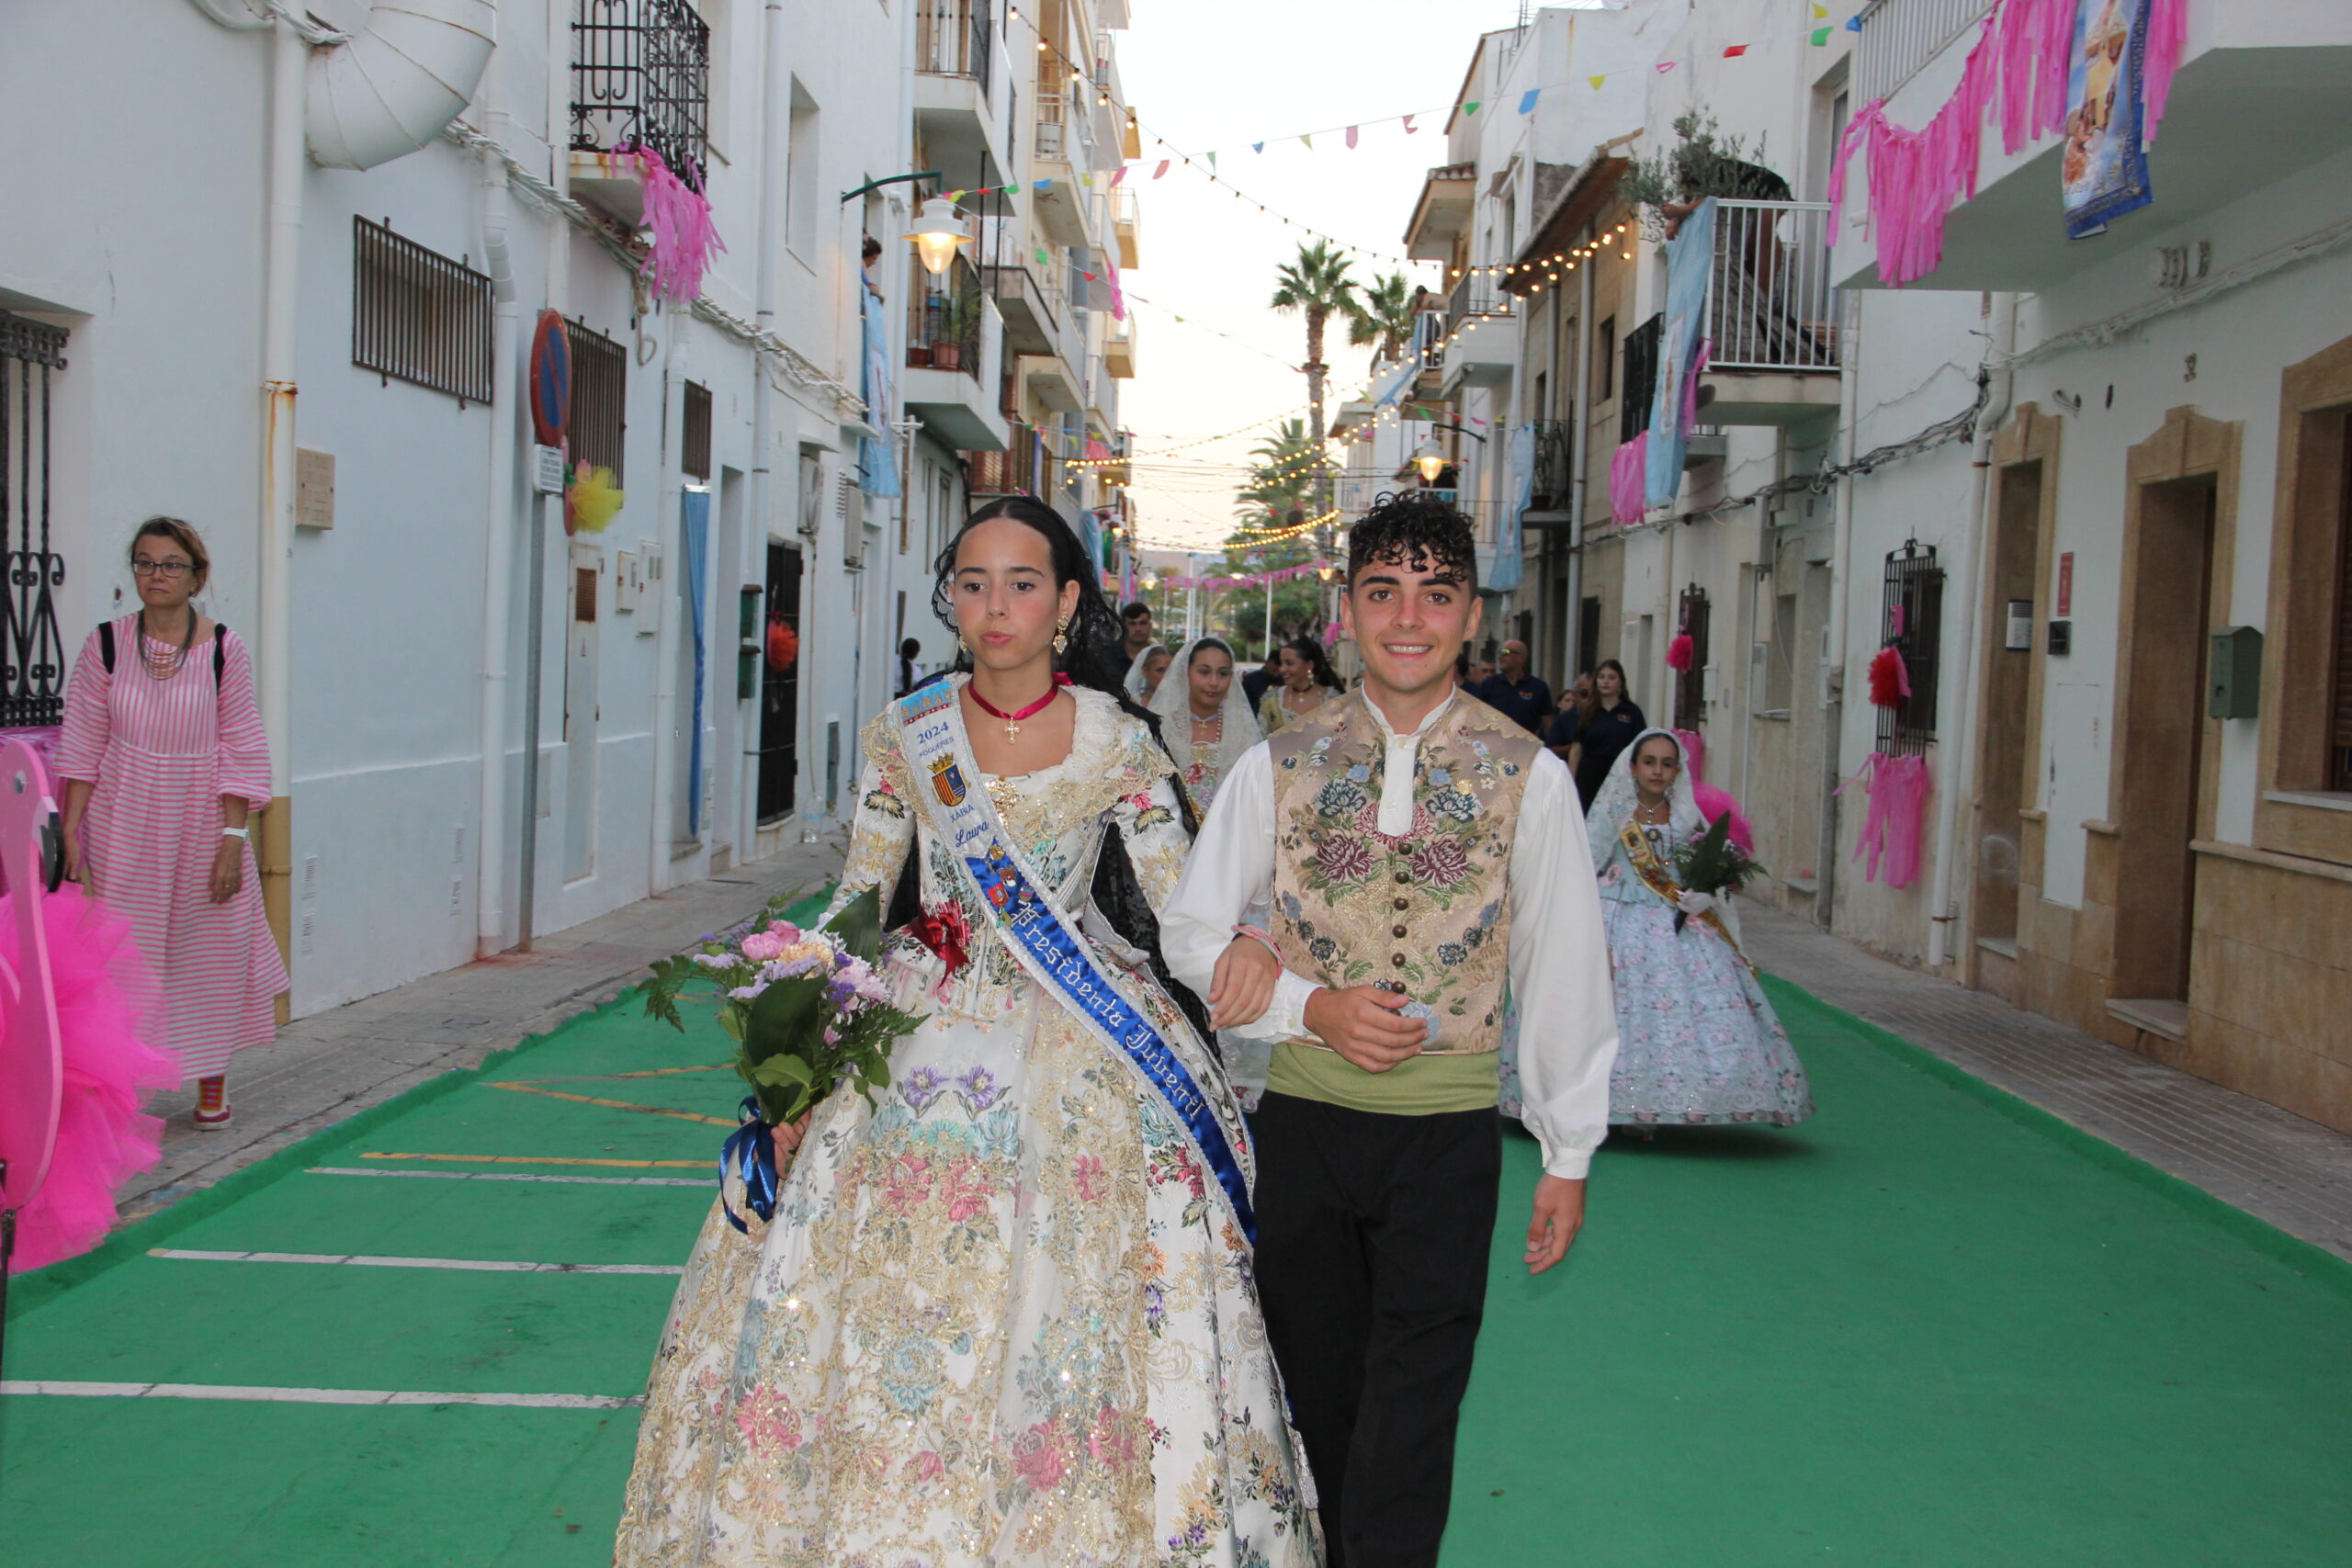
1012 720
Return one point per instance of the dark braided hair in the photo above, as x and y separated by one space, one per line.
1410 529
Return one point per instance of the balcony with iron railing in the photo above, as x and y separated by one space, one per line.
1555 460
956 113
953 38
1123 227
640 77
1772 327
1484 347
952 347
2256 100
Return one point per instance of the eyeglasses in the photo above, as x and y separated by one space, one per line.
164 568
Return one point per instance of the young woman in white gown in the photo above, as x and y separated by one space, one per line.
1004 1315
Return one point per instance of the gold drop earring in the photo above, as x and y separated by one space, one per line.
1061 637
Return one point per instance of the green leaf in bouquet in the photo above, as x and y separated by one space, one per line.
670 976
783 1069
784 1016
859 925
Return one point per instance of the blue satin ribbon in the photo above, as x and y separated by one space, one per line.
1031 924
750 1155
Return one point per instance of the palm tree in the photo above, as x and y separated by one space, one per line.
1316 286
1282 479
1384 315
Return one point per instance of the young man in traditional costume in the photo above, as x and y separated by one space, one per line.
1418 849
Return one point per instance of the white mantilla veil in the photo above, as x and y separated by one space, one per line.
1173 704
1614 805
1133 683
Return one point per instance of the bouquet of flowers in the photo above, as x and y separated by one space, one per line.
807 1010
1713 865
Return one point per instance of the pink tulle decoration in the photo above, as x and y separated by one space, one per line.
1714 803
1695 750
1629 481
1678 651
684 238
107 1008
1898 791
2021 59
1331 635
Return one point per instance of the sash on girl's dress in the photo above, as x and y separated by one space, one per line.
1044 939
1659 880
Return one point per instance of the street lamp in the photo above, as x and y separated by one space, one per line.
1429 459
938 235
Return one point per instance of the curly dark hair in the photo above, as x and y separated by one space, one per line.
1408 529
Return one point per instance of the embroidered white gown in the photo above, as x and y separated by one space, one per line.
1003 1316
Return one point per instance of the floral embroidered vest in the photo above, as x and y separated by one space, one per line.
1427 913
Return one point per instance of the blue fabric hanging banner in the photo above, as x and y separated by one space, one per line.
2104 174
1681 351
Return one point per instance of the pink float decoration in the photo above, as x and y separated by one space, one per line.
2019 59
678 216
1628 480
1680 651
1890 679
1898 795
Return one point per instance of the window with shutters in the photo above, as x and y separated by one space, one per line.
1690 682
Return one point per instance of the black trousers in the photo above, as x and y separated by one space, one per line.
1373 1233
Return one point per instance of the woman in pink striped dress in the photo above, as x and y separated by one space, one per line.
165 760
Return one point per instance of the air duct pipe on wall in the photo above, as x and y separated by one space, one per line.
398 82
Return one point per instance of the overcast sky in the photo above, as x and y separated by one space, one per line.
1222 75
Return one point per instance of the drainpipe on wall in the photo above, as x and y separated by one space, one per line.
498 532
1581 466
282 268
670 526
1960 757
1825 903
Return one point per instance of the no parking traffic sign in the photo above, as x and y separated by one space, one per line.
551 380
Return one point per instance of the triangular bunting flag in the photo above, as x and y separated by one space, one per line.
1041 257
1734 51
1820 36
1409 126
1308 142
1351 135
1161 172
1041 187
1257 147
1013 190
1597 81
1854 23
955 198
1819 10
1664 66
1527 100
1472 106
1119 175
1212 158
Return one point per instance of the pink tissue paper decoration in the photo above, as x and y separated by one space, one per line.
1628 480
1890 681
1713 802
1678 651
1898 792
684 238
2020 59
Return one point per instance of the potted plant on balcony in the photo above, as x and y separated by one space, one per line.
959 313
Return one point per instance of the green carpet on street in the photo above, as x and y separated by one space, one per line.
1930 1327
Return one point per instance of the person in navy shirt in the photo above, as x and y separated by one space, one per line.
1511 690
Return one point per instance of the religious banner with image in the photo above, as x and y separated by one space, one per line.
2105 171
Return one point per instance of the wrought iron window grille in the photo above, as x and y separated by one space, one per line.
417 315
32 653
1912 623
640 77
599 427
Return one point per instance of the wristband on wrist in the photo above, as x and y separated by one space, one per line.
1260 935
246 833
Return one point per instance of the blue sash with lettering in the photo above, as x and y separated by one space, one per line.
1042 938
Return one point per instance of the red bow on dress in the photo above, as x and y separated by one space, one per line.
945 933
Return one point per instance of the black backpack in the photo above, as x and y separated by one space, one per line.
220 648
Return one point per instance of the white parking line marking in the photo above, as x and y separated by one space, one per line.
316 1395
504 1176
479 1264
